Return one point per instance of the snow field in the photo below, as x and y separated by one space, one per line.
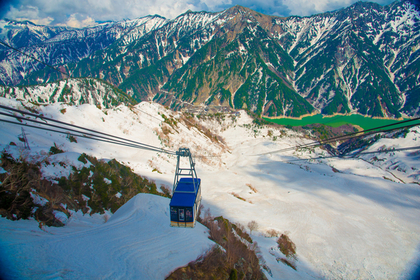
136 243
350 224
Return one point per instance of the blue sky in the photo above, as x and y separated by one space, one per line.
80 13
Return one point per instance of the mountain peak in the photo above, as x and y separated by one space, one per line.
247 13
240 9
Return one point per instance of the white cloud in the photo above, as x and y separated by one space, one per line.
27 11
310 7
80 13
165 8
306 8
75 21
30 13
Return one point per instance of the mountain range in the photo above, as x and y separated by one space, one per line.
361 59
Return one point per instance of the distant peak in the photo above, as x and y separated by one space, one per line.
237 9
188 12
24 22
158 16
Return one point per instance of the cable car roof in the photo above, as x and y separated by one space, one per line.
185 194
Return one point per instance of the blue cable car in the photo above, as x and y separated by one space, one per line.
186 193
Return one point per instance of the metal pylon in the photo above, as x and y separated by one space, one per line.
24 139
186 171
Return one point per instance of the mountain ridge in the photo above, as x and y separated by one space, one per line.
75 91
361 59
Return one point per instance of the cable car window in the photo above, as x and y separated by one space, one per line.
181 215
174 214
188 215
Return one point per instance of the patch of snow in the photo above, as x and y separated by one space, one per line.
38 199
62 217
184 59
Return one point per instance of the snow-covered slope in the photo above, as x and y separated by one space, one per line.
350 218
402 165
135 243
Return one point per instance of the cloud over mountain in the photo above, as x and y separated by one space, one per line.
81 13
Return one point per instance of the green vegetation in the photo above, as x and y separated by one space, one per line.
71 138
55 150
170 121
375 94
18 182
246 65
412 105
234 258
108 185
288 248
103 185
112 96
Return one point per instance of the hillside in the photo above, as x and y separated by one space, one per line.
72 92
360 59
351 217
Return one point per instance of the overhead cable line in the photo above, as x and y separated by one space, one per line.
137 109
362 153
313 144
71 125
92 134
84 135
346 136
136 144
52 67
89 137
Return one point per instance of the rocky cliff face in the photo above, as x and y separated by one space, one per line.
364 58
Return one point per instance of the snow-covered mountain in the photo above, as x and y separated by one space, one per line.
362 59
361 54
61 45
352 218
